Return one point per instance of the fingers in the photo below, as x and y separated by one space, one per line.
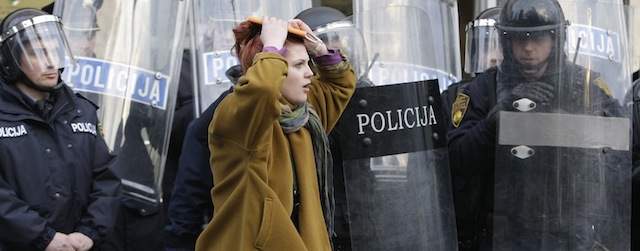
60 242
543 91
299 24
80 241
537 91
274 32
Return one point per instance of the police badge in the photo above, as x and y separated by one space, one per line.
459 108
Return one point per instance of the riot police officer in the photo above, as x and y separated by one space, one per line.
58 190
534 78
482 52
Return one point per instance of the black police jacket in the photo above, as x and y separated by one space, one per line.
472 138
54 173
191 198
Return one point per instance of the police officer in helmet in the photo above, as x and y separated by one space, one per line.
482 51
534 76
57 190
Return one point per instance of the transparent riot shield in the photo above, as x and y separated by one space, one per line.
213 34
393 141
440 16
128 55
563 160
345 36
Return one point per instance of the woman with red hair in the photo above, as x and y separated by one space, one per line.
273 184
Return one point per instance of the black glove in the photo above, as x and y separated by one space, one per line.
539 92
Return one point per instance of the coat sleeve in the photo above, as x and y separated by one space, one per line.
105 198
248 113
472 143
331 91
21 226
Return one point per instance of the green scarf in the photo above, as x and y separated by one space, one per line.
304 115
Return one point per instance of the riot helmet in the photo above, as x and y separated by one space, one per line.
32 40
531 20
482 47
319 16
337 31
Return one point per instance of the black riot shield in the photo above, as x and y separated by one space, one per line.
563 160
396 169
128 60
395 159
214 21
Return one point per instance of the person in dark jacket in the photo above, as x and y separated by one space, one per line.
482 52
184 113
190 208
534 69
57 188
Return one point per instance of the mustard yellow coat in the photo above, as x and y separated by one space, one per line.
251 162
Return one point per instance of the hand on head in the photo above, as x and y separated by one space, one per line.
314 48
274 32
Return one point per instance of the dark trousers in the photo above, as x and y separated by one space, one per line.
136 232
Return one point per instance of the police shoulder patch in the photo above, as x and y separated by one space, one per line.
100 129
459 108
603 85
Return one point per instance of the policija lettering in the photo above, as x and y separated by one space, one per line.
400 119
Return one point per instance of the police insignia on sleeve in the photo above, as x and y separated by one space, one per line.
459 108
603 85
100 129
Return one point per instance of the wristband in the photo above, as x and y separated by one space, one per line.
317 49
274 49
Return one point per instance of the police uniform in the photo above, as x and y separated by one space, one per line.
472 133
54 171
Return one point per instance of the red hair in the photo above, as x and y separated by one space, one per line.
248 42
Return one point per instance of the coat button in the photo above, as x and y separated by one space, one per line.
57 195
69 146
47 150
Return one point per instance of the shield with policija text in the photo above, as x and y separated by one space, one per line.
396 169
563 156
393 140
213 39
128 55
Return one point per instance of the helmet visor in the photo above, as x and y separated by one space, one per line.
483 49
39 44
345 36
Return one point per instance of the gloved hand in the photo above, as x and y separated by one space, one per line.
538 92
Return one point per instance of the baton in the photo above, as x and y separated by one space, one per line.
298 32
